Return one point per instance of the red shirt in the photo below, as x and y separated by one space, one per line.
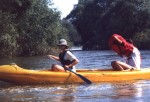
122 49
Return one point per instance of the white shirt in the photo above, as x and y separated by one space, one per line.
69 56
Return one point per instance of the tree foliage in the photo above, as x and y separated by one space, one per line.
29 27
96 20
74 36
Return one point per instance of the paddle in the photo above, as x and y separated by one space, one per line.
82 77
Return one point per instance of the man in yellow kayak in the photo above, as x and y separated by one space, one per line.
67 59
126 50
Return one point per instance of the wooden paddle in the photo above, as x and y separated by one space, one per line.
82 77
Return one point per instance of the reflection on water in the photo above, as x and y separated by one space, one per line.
122 92
128 90
137 91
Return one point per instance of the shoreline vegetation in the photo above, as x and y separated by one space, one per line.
34 27
31 28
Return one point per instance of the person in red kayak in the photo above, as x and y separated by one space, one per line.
126 50
67 59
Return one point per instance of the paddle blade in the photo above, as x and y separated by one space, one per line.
82 77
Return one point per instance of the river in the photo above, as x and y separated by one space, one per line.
129 91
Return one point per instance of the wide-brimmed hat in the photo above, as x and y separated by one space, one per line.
62 42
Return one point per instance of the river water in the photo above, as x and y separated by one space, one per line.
130 91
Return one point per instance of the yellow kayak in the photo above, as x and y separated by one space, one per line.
18 75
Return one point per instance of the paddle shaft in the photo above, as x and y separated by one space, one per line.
82 77
79 75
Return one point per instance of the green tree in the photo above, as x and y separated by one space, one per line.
72 32
29 27
96 20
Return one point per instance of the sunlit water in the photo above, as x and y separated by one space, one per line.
130 91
